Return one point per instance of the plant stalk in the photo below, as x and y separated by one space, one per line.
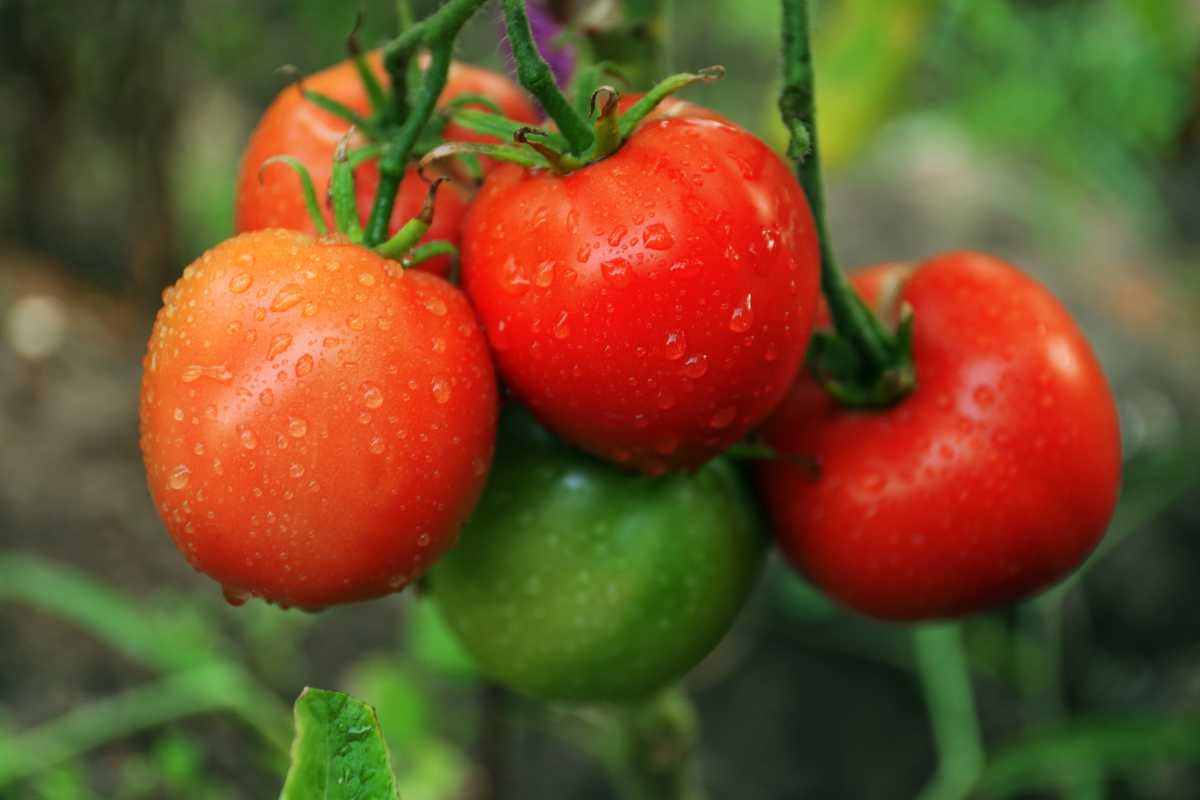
946 679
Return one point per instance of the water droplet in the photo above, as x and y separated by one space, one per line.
439 344
543 274
561 329
330 341
240 282
355 323
198 449
657 237
280 343
310 309
435 306
372 396
296 470
696 366
366 279
874 483
513 278
984 396
616 271
583 253
723 417
665 401
178 479
178 414
304 365
297 427
248 439
441 390
675 346
234 327
616 235
266 397
743 315
377 445
216 372
772 352
287 297
235 596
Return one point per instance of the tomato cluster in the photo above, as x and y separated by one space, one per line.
318 422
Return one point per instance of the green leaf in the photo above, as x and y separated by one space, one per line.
339 752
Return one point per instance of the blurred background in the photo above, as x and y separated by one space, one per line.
1062 135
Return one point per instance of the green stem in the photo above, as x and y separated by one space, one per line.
214 687
797 104
535 75
396 153
946 678
652 753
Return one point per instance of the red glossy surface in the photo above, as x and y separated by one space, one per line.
316 425
654 306
293 126
992 480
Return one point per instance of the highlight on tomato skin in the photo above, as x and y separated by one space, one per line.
270 197
316 423
993 480
576 580
654 306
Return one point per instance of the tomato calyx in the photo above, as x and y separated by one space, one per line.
541 148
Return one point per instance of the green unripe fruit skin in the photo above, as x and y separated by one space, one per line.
575 580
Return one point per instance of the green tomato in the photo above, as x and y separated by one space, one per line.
575 580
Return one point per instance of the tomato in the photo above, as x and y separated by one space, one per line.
294 126
316 425
654 306
993 479
576 580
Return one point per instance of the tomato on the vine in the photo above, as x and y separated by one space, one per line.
577 580
653 306
992 480
316 423
295 126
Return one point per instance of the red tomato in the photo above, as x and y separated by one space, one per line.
294 126
993 479
316 424
654 306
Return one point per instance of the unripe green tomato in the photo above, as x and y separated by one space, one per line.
575 580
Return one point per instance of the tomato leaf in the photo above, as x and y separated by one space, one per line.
339 752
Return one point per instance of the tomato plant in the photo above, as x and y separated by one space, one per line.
993 479
652 306
293 125
316 424
577 580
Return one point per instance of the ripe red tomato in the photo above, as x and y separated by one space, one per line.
992 480
294 126
654 306
316 425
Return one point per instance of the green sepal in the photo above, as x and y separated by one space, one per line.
306 186
503 128
665 88
342 195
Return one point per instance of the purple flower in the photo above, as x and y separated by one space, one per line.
546 28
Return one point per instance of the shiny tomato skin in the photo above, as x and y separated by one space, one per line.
577 580
991 481
316 425
654 306
296 127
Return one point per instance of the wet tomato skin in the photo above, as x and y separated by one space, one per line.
994 479
577 580
654 306
294 126
316 426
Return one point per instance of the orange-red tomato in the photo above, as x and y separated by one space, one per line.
654 306
316 424
992 480
296 127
